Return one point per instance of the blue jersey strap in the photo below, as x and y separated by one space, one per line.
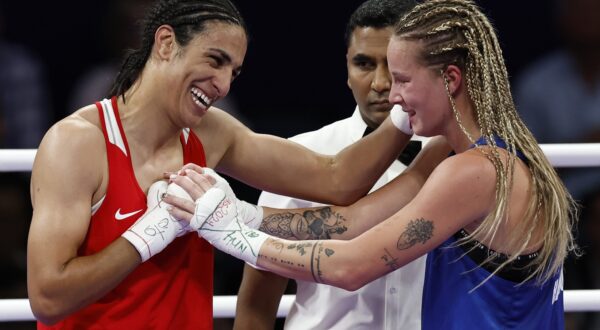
499 142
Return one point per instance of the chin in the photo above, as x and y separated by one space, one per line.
190 120
421 131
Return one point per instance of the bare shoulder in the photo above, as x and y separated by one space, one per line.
72 148
466 170
461 187
80 130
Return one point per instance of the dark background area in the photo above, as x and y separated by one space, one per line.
294 75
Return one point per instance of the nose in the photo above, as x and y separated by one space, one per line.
222 83
381 80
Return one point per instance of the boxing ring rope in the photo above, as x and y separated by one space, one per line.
224 306
560 155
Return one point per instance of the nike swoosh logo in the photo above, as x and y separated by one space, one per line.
120 216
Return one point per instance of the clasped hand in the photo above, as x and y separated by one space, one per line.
197 181
217 215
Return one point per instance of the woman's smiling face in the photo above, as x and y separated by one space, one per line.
418 88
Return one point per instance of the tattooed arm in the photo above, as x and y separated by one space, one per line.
302 224
459 192
331 222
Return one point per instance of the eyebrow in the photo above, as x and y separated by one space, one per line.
362 57
399 75
226 58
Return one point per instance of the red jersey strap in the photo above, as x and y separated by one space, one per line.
111 124
193 151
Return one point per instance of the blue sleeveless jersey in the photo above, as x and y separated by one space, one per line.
452 301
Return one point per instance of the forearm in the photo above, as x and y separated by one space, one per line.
81 281
338 222
327 262
287 168
258 299
333 262
348 222
323 223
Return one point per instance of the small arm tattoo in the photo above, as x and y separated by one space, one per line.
389 260
417 231
300 247
317 258
311 224
277 244
312 263
280 246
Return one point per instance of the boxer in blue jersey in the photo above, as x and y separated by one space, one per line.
494 218
452 285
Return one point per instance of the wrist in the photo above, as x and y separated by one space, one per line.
251 215
217 219
153 232
242 242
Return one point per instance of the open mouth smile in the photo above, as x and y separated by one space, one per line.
200 98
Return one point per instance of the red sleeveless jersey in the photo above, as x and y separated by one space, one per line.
172 290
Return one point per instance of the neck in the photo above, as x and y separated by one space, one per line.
456 137
146 121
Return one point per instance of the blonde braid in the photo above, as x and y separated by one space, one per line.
457 32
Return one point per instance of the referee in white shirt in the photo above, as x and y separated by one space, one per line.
390 302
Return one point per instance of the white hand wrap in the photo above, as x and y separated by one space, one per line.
250 214
154 230
155 193
216 220
401 120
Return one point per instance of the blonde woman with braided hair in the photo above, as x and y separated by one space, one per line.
493 217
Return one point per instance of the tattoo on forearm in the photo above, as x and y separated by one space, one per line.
389 260
316 258
299 247
312 224
417 231
282 261
280 246
312 262
277 244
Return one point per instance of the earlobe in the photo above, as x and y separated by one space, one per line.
164 41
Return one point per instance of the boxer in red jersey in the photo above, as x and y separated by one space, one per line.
97 269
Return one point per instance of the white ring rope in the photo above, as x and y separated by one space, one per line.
224 306
16 160
573 154
560 155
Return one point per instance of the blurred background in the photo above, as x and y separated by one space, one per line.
54 60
